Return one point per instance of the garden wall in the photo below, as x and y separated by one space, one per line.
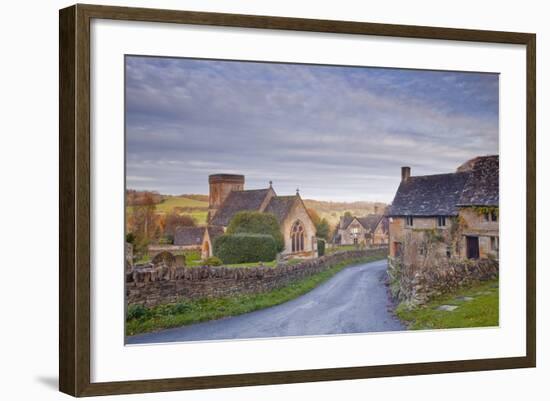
163 284
417 286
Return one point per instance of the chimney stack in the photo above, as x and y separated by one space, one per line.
405 173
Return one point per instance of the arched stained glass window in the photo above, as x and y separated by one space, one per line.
297 236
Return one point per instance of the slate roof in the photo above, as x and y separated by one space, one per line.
189 236
482 187
475 183
345 221
238 201
370 222
429 195
280 206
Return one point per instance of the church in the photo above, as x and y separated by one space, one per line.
227 197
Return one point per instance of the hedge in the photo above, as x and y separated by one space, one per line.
320 247
245 248
257 223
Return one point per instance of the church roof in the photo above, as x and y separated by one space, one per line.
280 206
189 236
214 232
238 201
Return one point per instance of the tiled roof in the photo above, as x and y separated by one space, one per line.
280 206
429 195
189 236
370 222
482 187
238 201
345 221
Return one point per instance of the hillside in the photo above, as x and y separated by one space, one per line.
196 205
333 210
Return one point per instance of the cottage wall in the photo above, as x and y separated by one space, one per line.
474 224
299 212
380 236
347 235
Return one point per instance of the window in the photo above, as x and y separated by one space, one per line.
441 221
494 243
491 216
297 237
409 221
355 241
355 230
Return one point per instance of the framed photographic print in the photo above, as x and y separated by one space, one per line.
250 200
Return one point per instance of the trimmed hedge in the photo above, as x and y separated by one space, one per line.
320 247
245 248
257 223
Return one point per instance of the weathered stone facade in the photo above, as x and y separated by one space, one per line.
417 286
166 284
371 230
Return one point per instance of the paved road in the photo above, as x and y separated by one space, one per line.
355 300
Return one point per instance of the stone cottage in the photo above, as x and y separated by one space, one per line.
227 197
369 230
434 218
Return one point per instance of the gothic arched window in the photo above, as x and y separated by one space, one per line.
297 236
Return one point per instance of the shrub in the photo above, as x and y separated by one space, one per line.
245 248
257 223
320 247
166 240
213 261
137 312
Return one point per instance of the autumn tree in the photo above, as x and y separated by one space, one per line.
173 220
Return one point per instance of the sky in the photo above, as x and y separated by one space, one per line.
337 133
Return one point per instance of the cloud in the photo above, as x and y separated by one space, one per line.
338 133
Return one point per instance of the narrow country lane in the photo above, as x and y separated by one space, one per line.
355 300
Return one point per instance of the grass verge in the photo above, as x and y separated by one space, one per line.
481 311
185 312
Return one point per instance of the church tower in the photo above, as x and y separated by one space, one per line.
220 187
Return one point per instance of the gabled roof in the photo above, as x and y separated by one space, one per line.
481 188
238 201
345 221
429 195
189 236
280 206
370 222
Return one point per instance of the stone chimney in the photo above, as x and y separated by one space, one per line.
376 209
405 173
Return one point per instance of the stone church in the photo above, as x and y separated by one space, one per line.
227 196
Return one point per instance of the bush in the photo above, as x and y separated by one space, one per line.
166 240
245 248
137 312
320 247
257 223
213 261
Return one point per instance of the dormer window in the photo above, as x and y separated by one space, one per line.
409 221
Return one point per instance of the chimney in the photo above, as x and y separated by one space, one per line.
405 173
375 209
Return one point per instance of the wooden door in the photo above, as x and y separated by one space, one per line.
472 247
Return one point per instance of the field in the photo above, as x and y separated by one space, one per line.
197 207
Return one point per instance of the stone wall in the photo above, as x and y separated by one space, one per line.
165 284
417 286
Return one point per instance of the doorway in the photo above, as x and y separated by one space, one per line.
472 247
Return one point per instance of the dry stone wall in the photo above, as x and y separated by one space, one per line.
417 286
162 284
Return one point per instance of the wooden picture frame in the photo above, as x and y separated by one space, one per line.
74 203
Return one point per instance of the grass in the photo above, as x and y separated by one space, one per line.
197 209
342 248
185 312
482 311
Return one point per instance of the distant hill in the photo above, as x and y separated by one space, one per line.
196 205
333 210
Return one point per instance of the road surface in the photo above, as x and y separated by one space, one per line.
355 300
